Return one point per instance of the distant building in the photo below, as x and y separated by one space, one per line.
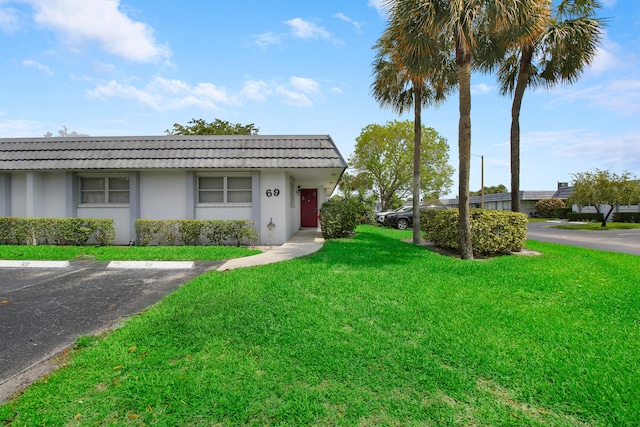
502 201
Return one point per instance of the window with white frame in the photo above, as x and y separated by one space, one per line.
224 189
104 190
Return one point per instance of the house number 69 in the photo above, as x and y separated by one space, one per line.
271 192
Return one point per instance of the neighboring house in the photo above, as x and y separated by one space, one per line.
502 201
564 191
278 182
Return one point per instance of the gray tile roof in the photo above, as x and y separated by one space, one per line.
563 192
170 152
524 195
504 197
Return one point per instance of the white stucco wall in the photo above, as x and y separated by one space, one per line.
19 194
273 209
163 195
223 212
54 195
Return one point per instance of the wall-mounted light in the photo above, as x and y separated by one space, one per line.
298 190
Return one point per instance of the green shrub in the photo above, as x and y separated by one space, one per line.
561 213
61 231
193 231
339 217
587 217
546 207
626 217
492 232
215 231
190 231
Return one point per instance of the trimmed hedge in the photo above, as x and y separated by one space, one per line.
59 231
561 213
192 232
587 217
492 232
626 217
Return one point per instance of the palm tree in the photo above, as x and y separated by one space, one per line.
465 24
411 74
564 46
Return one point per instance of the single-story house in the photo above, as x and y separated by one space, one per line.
502 201
564 191
277 181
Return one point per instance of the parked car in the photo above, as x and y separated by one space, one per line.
404 220
381 215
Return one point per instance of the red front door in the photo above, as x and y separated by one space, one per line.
309 208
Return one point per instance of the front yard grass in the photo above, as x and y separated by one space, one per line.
368 331
597 226
124 253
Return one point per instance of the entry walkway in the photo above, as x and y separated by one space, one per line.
303 242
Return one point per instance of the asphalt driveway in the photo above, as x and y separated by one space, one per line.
623 241
44 310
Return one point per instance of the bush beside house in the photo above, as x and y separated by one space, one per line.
492 232
59 231
546 208
339 217
194 232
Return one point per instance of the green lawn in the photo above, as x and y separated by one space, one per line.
368 331
124 253
597 226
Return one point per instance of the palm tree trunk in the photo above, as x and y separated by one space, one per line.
521 85
463 60
417 122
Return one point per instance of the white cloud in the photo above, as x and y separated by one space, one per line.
165 94
336 91
609 56
620 96
267 39
305 85
9 21
294 98
257 90
342 16
618 152
33 64
481 89
379 5
100 21
307 30
20 128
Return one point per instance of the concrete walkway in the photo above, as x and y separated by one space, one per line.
303 242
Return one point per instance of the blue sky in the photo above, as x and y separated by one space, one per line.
135 67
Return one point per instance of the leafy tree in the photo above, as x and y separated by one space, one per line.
563 46
64 132
385 154
495 189
217 127
360 181
597 188
411 72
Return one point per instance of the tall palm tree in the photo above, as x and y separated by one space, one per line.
466 24
411 74
564 46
